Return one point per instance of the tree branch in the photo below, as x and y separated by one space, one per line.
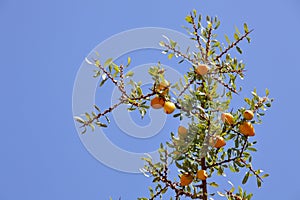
232 45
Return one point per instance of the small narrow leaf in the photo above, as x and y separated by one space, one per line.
189 19
239 49
245 179
258 182
129 74
246 28
267 92
170 56
128 61
100 124
213 184
265 176
79 119
227 39
108 62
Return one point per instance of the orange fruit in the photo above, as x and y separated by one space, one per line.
157 102
227 118
202 175
169 107
220 142
248 114
163 87
182 132
247 129
186 179
202 69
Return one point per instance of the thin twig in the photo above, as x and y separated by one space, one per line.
120 87
186 57
186 87
252 170
197 35
101 114
231 159
225 84
158 192
232 45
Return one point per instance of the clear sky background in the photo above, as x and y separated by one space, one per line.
42 45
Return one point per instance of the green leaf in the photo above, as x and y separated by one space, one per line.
97 108
239 49
101 124
258 182
164 190
107 119
116 68
128 61
177 115
232 168
246 28
265 176
189 19
107 62
217 24
267 92
87 115
248 101
79 119
248 39
102 82
195 12
162 43
227 39
240 190
97 63
170 56
251 149
97 73
129 74
237 30
173 43
236 37
245 179
213 184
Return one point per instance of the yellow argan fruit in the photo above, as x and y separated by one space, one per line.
186 179
157 102
202 175
163 87
169 107
182 132
248 114
227 118
220 142
247 129
202 69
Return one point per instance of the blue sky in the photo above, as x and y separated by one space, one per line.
43 44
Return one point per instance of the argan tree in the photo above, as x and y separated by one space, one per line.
218 139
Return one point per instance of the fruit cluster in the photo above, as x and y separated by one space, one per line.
159 101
